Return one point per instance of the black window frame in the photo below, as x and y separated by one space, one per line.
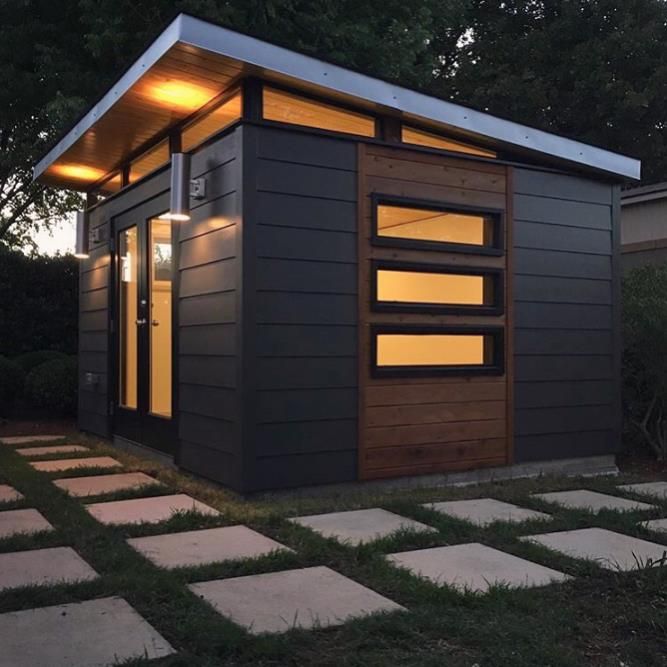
496 215
496 368
496 275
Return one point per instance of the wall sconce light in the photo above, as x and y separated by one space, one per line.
179 205
81 244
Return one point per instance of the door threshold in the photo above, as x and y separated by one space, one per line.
138 449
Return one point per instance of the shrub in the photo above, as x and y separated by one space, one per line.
12 378
53 386
30 360
44 316
645 357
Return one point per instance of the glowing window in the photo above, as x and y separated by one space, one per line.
405 351
421 226
149 161
411 135
111 185
399 286
211 123
288 108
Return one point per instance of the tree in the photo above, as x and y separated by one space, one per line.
45 83
645 356
594 70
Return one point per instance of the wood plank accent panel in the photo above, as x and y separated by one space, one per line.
425 425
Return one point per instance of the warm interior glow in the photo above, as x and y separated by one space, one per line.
149 161
111 185
79 172
128 296
81 255
179 94
422 224
211 123
160 279
411 135
430 350
288 108
432 288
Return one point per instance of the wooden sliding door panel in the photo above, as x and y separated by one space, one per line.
431 422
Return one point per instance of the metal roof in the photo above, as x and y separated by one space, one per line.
204 59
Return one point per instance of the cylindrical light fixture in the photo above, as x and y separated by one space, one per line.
179 206
82 231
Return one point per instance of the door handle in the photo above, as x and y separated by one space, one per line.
155 322
141 322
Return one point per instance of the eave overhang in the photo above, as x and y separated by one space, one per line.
211 58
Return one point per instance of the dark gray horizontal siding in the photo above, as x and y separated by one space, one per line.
208 340
207 248
208 304
208 370
562 393
302 308
209 462
305 277
546 447
563 341
541 315
296 340
565 380
324 467
556 263
94 296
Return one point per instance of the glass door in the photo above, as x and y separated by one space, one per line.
144 339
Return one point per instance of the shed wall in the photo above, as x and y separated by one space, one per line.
566 337
300 308
208 410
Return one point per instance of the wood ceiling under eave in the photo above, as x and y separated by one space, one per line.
183 80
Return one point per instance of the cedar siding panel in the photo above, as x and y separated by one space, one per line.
301 370
428 424
566 383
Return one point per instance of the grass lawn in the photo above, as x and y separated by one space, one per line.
598 618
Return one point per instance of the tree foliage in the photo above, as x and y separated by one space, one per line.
595 70
45 80
645 356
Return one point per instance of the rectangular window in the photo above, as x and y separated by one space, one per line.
128 269
411 135
288 108
404 287
403 224
111 185
149 161
211 123
413 351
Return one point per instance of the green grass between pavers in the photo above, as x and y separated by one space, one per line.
598 618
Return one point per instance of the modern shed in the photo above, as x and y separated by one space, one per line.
365 282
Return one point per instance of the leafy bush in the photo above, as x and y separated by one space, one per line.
43 313
53 386
30 360
645 357
12 378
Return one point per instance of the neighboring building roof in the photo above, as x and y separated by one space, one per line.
209 57
644 193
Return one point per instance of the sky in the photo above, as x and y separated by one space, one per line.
59 239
